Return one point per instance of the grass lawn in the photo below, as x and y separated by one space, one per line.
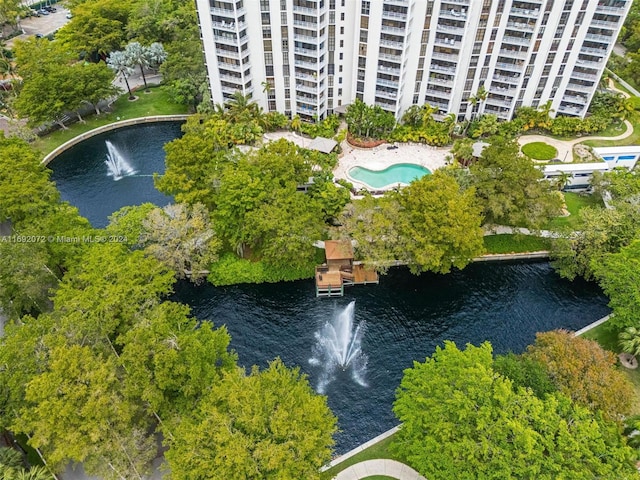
633 139
575 202
508 243
378 477
540 151
158 102
379 450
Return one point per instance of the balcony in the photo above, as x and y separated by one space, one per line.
457 2
309 52
449 57
591 63
585 76
227 53
394 15
307 64
441 105
602 52
387 83
393 30
446 94
524 12
305 10
232 66
397 2
231 90
504 91
511 79
228 12
516 40
229 26
306 24
389 70
499 102
512 67
434 67
521 27
230 39
450 29
306 88
306 76
386 94
231 78
447 42
453 14
578 87
605 24
508 52
309 100
392 44
619 9
570 109
441 81
390 58
593 37
581 100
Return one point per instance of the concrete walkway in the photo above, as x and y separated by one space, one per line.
389 468
565 147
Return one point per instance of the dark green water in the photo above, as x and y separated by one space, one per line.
82 175
405 317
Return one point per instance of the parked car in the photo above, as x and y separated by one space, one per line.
49 8
69 15
42 11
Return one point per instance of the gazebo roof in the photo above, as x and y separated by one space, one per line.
338 249
322 144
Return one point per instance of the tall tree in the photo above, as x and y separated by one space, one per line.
460 419
440 224
181 237
269 424
119 63
510 188
584 371
619 276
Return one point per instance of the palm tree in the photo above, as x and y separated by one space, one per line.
629 340
476 99
137 55
240 107
119 62
296 123
562 180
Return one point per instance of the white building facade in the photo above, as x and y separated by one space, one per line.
310 57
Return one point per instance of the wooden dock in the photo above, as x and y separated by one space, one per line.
341 271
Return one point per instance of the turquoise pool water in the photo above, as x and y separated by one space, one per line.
398 173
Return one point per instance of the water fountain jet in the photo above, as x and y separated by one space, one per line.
338 346
117 163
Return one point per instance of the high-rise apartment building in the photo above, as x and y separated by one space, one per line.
309 57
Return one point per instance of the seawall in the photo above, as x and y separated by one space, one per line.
112 126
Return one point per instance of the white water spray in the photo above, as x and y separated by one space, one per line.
117 163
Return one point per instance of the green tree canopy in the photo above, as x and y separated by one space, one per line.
269 424
582 370
619 276
463 420
510 188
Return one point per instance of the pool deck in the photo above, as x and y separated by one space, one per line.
381 157
377 158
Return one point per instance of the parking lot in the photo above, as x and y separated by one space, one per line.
43 25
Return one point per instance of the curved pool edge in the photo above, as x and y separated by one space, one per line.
384 188
107 128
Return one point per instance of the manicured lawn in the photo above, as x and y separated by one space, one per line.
378 477
379 450
508 243
158 102
633 139
575 202
540 151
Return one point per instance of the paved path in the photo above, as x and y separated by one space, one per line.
389 468
565 147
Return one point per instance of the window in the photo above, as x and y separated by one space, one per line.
266 18
283 18
339 92
366 7
269 70
268 58
264 5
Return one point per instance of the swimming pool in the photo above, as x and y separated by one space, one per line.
399 173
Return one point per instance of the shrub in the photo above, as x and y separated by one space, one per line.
231 270
539 151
